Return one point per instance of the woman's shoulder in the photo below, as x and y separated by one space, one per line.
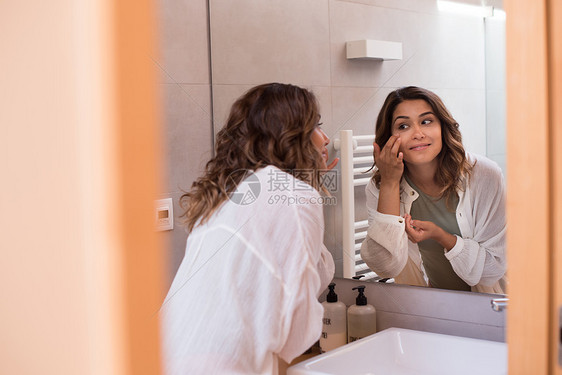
281 193
484 168
274 180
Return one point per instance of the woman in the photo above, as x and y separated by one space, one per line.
246 291
436 213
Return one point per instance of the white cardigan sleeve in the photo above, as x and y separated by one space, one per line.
478 257
385 249
312 270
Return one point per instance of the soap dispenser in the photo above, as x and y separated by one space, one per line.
361 317
334 327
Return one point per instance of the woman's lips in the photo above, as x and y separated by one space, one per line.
419 147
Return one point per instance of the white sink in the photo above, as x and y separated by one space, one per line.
399 351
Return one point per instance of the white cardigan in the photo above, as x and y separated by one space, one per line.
247 290
478 256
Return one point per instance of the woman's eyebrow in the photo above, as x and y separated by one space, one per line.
407 117
397 117
426 113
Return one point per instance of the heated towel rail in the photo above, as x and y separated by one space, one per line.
356 156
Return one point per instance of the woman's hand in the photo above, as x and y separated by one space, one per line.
390 165
389 161
332 164
418 230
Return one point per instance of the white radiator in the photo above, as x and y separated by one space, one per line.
356 156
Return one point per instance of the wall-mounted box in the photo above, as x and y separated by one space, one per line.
374 49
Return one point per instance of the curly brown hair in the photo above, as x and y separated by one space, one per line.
271 124
453 167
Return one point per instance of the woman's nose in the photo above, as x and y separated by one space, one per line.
326 138
418 133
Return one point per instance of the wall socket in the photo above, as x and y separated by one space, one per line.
164 214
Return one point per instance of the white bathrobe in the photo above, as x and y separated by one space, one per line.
478 256
247 290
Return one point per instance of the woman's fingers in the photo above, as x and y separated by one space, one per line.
411 233
389 145
414 229
389 160
376 150
418 230
395 147
408 227
390 152
333 164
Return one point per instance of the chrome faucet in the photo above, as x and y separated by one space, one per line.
499 304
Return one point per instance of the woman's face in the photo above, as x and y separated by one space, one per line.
320 141
419 130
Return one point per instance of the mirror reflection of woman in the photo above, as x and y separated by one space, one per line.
436 212
246 292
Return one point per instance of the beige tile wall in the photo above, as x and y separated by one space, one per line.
183 63
496 90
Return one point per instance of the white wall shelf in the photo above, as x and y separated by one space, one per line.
374 49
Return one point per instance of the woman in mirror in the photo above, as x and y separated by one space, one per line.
436 212
246 292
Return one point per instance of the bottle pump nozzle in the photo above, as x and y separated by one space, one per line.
361 300
332 296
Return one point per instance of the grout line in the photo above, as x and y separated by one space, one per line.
209 49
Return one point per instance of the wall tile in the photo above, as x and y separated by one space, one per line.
468 107
495 90
426 6
255 42
352 21
435 47
357 108
449 53
223 98
188 146
188 138
496 121
183 39
495 53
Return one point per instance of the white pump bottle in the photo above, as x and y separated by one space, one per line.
361 318
334 327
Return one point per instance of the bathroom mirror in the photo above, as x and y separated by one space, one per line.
454 48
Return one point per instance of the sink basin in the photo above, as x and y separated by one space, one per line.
399 351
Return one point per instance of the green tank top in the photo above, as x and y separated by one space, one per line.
436 265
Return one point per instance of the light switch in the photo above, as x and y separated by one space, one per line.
164 214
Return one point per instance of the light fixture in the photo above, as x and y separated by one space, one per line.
465 9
